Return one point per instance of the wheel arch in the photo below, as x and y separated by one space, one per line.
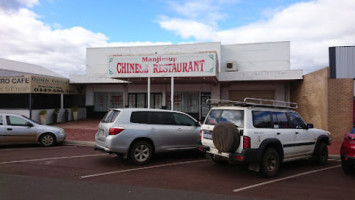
271 143
46 133
150 141
320 139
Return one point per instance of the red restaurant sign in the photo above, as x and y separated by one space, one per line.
183 65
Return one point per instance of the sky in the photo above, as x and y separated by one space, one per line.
56 33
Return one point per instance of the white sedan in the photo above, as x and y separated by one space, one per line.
17 129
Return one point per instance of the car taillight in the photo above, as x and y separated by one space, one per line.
115 131
246 142
201 133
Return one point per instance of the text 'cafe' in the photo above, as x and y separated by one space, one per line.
186 74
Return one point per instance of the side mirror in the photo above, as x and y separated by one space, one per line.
197 124
28 124
310 126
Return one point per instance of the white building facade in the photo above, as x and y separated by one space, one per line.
185 74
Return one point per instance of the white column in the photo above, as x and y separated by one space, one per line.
148 95
172 93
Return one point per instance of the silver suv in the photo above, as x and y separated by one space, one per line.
138 133
262 133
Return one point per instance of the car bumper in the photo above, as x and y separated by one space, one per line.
348 160
61 138
247 155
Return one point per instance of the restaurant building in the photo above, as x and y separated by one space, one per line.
28 89
182 77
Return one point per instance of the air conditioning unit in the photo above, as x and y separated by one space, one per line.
231 66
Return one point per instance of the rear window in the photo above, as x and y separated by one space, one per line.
110 116
234 116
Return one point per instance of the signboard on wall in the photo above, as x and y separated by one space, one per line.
37 84
180 65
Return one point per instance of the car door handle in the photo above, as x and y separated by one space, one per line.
9 129
296 133
278 133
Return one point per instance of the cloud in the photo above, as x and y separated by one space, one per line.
23 37
208 11
189 28
15 4
311 27
27 39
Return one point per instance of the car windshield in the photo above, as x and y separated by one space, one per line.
234 116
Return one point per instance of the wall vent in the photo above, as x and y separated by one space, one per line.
231 66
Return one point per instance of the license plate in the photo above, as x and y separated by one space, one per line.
207 136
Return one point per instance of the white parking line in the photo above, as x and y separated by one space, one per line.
33 148
285 178
45 159
141 168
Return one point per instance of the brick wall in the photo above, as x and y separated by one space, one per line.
327 103
311 94
340 110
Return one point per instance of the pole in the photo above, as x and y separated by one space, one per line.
148 92
172 93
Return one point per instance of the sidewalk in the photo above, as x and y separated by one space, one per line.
82 132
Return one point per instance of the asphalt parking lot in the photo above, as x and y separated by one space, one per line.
79 172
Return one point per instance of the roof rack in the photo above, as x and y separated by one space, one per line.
253 102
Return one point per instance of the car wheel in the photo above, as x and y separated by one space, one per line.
141 152
322 154
47 140
347 168
270 163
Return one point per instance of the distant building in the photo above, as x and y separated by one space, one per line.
26 89
182 77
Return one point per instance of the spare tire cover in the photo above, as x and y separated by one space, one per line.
226 137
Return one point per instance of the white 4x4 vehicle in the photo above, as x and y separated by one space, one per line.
262 133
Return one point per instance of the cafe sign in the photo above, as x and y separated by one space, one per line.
37 84
181 65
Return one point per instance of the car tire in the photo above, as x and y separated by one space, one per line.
321 154
270 163
226 137
47 140
141 152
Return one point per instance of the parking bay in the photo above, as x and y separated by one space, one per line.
181 171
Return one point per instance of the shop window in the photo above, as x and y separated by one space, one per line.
45 101
74 101
14 101
187 102
103 101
